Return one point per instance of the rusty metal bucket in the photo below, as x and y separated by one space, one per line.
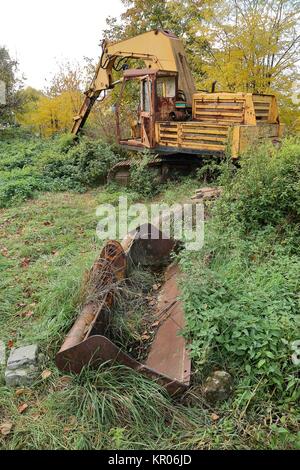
87 343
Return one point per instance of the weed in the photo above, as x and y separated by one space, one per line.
30 165
241 292
144 180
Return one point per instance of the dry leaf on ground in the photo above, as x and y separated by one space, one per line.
22 407
25 262
214 417
5 428
45 374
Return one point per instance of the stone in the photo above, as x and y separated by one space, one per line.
24 356
2 353
22 366
218 386
20 377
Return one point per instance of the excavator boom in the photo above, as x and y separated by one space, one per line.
159 50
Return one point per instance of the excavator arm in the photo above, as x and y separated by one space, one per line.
160 50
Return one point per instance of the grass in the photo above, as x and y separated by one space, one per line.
46 244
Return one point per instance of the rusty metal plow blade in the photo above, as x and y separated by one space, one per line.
87 343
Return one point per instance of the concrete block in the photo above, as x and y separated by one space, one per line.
23 357
20 377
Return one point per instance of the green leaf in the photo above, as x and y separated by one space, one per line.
261 363
269 354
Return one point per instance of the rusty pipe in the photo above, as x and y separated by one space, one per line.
110 265
80 327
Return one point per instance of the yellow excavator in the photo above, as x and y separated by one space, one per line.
172 119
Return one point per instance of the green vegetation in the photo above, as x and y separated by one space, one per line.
241 295
142 180
30 165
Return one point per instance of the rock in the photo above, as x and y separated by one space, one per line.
22 366
24 356
20 377
2 353
218 386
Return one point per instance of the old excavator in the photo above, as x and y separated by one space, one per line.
174 121
178 125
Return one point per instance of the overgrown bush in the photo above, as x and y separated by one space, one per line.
144 179
58 164
266 189
241 292
243 310
92 161
208 171
17 190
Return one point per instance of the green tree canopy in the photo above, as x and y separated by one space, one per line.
8 73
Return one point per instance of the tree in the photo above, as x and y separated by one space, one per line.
53 110
8 73
256 48
69 77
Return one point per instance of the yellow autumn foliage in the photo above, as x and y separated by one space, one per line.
49 115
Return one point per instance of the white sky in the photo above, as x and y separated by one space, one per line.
40 33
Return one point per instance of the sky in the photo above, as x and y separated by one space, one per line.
40 33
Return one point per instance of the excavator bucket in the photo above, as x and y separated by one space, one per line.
88 343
